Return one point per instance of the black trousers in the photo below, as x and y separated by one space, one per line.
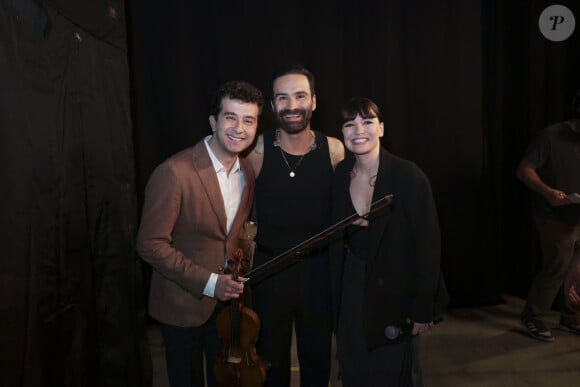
299 297
185 349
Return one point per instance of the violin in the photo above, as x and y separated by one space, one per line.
238 327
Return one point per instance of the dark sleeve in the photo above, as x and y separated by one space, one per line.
426 247
538 150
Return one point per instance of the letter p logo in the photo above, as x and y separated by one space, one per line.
556 23
556 20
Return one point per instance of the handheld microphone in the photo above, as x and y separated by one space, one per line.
393 332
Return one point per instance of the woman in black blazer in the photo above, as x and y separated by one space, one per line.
385 269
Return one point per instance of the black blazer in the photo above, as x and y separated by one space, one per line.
403 276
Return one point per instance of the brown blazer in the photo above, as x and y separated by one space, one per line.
183 234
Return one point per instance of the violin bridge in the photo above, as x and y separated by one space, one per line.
234 359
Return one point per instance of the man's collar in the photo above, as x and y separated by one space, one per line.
217 165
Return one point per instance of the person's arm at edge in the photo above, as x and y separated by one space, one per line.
526 172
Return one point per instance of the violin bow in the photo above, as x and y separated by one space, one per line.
299 249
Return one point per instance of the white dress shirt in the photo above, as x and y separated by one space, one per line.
231 187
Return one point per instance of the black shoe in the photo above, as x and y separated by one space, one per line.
570 327
537 329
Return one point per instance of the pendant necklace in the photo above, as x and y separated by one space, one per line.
292 173
276 143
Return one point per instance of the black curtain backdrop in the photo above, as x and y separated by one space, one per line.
72 310
462 85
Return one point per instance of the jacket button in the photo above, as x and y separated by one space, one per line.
380 282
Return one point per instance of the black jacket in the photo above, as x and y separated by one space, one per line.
403 278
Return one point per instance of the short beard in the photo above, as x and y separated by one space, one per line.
295 127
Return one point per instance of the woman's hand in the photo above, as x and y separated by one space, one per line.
421 328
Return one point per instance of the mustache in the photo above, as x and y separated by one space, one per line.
291 111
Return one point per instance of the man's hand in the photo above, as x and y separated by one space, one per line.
226 288
556 198
526 172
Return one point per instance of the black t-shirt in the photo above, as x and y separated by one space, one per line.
555 151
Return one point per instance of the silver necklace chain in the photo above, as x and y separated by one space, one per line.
292 173
276 143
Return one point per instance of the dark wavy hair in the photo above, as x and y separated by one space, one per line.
239 90
296 68
362 106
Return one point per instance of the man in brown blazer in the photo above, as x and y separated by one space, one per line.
195 205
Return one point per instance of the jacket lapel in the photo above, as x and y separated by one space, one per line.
378 221
345 199
204 168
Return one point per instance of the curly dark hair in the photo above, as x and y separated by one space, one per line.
239 90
